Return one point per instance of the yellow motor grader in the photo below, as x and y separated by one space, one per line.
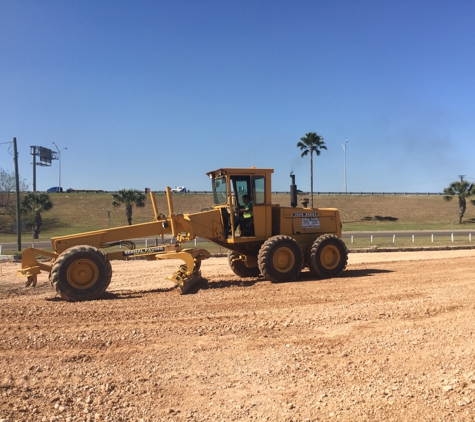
276 242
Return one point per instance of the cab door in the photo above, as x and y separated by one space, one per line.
262 212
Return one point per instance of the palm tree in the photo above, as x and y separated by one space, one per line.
128 197
462 190
33 204
310 143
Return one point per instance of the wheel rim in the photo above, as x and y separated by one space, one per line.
82 274
283 260
330 257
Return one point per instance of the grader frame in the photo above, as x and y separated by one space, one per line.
281 242
85 274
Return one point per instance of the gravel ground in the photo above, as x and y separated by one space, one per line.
392 339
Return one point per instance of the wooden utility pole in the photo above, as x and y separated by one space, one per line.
17 184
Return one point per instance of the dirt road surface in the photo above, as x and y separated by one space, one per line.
392 339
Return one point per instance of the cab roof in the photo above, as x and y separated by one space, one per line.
242 171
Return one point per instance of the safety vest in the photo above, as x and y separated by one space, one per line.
247 210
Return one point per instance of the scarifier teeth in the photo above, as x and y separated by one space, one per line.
31 281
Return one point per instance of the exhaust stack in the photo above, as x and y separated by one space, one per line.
293 191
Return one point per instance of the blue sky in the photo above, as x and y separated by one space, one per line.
156 93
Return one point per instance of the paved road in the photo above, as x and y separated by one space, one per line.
42 244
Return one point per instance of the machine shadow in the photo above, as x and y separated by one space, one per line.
133 294
123 295
364 273
205 285
308 276
303 277
105 296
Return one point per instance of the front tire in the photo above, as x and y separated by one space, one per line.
240 268
81 273
280 259
328 256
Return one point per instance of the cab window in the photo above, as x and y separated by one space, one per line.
240 185
219 190
258 186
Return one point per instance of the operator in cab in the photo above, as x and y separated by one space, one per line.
245 216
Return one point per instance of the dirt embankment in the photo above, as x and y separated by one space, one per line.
391 339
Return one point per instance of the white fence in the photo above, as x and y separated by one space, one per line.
427 237
450 236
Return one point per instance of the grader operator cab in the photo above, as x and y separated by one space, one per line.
275 242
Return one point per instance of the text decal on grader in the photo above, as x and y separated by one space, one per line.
263 239
143 251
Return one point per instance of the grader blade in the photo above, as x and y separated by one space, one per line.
188 274
184 281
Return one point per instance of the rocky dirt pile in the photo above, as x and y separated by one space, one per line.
389 340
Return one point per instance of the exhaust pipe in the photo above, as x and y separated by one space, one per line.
293 191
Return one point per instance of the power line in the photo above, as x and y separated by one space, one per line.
10 146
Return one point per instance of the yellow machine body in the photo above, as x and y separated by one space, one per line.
302 224
277 242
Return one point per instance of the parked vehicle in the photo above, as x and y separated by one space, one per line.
54 189
179 189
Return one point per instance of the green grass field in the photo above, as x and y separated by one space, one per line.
79 212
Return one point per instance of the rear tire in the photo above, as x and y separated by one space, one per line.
328 256
240 268
81 273
280 259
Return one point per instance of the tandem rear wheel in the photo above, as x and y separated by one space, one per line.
327 256
280 259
